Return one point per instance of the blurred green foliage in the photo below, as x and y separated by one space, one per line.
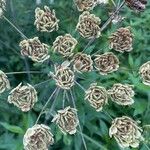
13 123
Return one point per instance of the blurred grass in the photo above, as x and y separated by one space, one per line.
13 123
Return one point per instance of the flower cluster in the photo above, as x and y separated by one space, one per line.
45 20
145 73
24 97
122 94
64 45
34 49
121 40
4 82
67 120
97 96
2 7
88 25
126 132
38 137
106 63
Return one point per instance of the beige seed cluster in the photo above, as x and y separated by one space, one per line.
106 63
122 94
34 49
65 45
97 96
23 96
121 40
4 82
126 132
67 120
88 25
38 137
45 20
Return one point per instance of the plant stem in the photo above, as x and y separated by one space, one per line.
80 86
24 72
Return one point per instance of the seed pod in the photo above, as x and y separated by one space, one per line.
38 137
67 120
97 96
65 45
121 40
122 94
24 97
144 72
2 7
4 82
106 63
84 5
45 20
34 49
126 132
82 62
88 25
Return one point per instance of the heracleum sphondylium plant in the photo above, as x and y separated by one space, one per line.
125 130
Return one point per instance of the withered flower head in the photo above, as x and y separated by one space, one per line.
97 96
24 97
121 40
67 120
2 7
144 71
45 20
83 5
82 62
122 94
88 25
34 49
106 63
137 5
65 45
64 77
4 82
38 137
126 132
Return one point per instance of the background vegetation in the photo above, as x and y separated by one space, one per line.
13 123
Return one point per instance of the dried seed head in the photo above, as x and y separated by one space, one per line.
34 49
67 120
126 132
24 97
65 45
121 40
2 7
88 25
144 71
82 62
38 137
137 5
84 5
45 20
97 96
4 82
106 63
64 77
122 94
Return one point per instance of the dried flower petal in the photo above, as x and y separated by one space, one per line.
34 49
122 94
65 45
144 71
126 132
82 62
38 137
83 5
24 97
121 40
106 63
45 20
97 96
67 120
4 82
2 7
88 25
